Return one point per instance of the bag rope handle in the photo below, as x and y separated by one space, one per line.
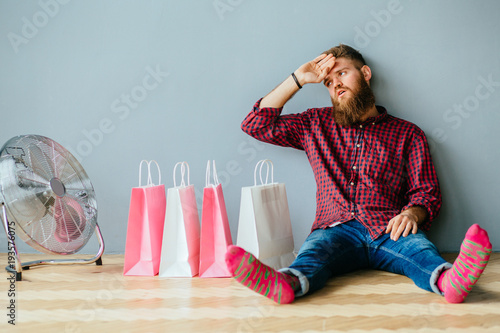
184 165
269 165
149 179
207 176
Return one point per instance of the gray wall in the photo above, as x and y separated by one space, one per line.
79 72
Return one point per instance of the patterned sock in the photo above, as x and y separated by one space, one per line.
250 272
457 281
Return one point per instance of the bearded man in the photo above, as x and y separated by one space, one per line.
377 189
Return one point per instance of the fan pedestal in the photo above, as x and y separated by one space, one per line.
17 267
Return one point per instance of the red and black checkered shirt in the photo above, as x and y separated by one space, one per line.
370 171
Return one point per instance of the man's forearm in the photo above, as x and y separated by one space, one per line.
280 95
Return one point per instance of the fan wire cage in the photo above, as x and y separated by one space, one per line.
47 200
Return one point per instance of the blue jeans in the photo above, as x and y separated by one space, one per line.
348 247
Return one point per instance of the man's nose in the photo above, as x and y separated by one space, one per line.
336 82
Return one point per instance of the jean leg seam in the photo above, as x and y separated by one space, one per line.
413 262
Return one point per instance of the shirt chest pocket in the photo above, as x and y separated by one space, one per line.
383 166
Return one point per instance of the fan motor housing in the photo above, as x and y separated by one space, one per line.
57 187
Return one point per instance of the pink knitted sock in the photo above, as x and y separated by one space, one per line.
262 279
468 267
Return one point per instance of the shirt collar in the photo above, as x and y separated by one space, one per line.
381 116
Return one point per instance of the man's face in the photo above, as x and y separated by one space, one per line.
350 93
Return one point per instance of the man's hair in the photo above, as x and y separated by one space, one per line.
345 51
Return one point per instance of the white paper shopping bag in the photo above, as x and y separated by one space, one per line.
180 253
264 227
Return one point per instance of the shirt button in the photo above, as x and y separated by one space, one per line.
354 167
360 126
352 213
352 183
358 145
373 123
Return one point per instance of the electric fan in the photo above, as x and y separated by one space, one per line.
47 200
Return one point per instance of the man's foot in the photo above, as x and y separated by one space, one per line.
250 272
457 282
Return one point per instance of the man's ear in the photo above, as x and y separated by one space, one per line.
367 73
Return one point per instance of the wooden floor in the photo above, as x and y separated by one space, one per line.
90 298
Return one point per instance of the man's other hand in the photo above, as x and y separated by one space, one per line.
402 224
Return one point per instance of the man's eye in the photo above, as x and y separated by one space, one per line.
329 83
342 73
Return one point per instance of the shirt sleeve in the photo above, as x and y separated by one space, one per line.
423 184
268 125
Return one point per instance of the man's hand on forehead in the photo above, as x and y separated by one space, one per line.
316 70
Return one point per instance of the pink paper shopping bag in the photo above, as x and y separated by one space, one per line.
215 233
145 227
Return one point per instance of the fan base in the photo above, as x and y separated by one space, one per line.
26 266
19 266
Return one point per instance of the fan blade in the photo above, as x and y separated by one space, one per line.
27 179
70 219
62 168
22 201
38 162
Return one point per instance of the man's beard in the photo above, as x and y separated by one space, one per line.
349 111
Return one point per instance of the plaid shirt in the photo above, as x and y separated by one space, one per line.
370 171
